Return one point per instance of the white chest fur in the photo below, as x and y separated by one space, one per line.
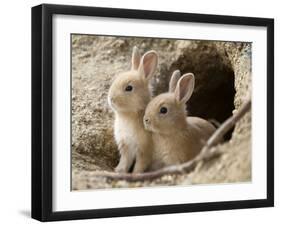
125 134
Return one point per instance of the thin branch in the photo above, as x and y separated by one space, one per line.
206 153
227 125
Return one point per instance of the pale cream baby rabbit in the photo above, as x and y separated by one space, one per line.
128 96
176 138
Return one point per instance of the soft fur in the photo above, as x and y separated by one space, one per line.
134 142
176 138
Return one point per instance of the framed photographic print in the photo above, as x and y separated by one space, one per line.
147 112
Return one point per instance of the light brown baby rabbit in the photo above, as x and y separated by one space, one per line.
128 96
176 138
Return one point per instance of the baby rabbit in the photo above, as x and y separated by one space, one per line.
128 96
176 138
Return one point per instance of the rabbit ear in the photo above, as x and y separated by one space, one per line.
136 57
148 64
173 81
185 87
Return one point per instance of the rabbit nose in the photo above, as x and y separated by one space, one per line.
146 120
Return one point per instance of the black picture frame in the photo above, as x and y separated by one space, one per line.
42 111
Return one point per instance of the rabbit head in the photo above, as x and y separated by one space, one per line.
167 111
130 90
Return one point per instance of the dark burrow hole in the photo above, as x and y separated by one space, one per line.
213 97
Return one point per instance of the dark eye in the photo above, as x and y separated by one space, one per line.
163 110
129 88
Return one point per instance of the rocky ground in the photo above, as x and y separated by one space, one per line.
223 81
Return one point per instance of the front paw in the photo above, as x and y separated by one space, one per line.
120 169
139 168
137 171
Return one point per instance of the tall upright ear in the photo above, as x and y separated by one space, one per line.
185 87
136 57
148 64
173 81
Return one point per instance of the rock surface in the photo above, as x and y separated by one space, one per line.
223 81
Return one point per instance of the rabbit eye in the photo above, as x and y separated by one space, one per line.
129 88
163 110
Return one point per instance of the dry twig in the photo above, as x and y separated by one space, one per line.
206 153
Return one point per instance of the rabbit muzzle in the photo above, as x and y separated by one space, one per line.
147 123
113 102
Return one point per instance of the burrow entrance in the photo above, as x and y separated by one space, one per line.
213 97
